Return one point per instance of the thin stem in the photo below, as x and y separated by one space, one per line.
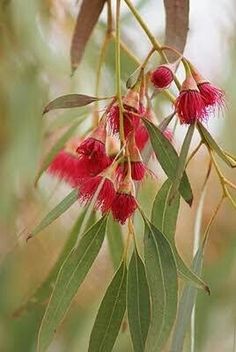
126 249
118 74
168 95
126 49
166 47
101 59
153 40
196 245
147 58
194 152
219 173
224 182
151 37
210 223
229 183
187 67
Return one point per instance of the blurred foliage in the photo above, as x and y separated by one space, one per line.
34 69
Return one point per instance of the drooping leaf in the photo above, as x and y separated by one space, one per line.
163 285
56 148
164 217
70 101
177 25
186 304
115 241
181 162
86 20
70 277
168 159
42 293
209 140
138 302
59 209
110 314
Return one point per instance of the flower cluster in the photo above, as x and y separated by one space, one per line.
101 168
198 97
105 165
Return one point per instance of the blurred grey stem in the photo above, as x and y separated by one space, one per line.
196 246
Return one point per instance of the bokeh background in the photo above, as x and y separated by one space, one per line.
35 68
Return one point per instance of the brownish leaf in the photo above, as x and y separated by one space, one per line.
177 25
87 18
70 101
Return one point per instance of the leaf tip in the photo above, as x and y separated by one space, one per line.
73 69
45 110
28 237
207 289
190 201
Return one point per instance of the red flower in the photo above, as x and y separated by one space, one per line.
162 76
137 170
190 105
106 195
141 136
91 147
92 152
131 119
212 95
123 206
67 167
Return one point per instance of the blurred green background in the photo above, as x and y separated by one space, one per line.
35 68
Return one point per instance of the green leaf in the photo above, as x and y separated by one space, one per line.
166 121
57 148
110 314
163 285
115 241
42 292
70 277
60 208
168 159
138 302
70 101
133 78
186 304
164 217
208 139
182 162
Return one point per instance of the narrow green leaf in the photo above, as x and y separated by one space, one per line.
209 140
168 158
59 209
138 302
42 293
182 162
70 101
115 241
70 277
163 285
110 314
133 78
56 148
186 304
164 217
166 121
